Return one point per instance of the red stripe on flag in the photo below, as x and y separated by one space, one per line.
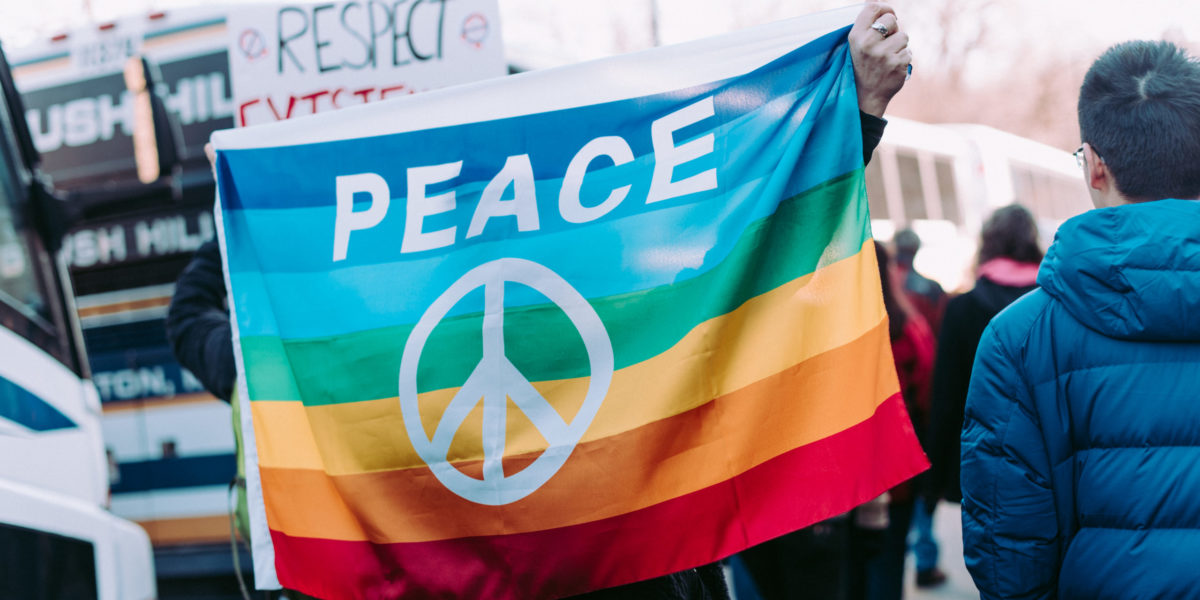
786 493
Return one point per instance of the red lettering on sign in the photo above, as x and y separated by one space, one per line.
313 98
311 103
242 110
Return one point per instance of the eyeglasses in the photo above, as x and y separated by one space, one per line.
1079 157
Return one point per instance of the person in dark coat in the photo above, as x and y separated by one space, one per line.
1081 442
1008 260
198 323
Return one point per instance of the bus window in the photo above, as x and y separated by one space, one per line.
876 193
1045 195
18 281
1072 198
1025 190
910 186
37 564
944 171
1037 186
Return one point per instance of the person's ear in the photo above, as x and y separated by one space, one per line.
1099 178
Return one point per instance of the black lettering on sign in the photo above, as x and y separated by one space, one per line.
284 39
318 43
415 29
368 49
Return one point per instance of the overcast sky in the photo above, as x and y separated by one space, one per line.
571 30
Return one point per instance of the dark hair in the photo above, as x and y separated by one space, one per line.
1012 233
1139 108
899 311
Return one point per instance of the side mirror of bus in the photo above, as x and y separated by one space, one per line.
53 217
50 215
155 134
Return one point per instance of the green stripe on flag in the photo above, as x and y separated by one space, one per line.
816 228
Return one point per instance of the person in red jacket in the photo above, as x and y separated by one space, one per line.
929 299
912 350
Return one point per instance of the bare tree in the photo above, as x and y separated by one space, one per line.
959 31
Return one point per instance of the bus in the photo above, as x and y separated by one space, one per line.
57 538
943 181
170 443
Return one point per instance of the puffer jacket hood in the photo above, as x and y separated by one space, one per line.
1130 272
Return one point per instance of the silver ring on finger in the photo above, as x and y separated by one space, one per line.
881 28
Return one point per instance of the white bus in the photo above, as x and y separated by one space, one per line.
57 540
944 180
170 443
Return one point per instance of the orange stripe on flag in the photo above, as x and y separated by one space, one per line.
607 477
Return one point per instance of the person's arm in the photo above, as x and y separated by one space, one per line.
1010 526
198 323
880 68
872 132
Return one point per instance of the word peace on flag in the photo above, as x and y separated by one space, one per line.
517 175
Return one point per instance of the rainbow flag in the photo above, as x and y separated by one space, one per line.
564 330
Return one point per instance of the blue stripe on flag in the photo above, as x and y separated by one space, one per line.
551 138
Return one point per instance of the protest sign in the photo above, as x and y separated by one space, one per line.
291 60
565 330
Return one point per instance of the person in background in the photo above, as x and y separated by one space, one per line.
198 323
1008 261
912 350
811 563
927 296
1081 439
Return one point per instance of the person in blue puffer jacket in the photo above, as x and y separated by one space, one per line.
1081 437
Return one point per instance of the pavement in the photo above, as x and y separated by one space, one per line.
947 527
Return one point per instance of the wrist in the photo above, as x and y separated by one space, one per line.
872 106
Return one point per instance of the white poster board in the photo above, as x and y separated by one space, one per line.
292 60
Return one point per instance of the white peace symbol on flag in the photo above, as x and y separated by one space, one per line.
495 379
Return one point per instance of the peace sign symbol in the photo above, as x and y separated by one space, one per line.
495 379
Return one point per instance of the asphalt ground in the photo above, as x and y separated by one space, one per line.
947 528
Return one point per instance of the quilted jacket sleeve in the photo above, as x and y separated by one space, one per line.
1010 529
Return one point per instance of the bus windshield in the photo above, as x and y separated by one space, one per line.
24 302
